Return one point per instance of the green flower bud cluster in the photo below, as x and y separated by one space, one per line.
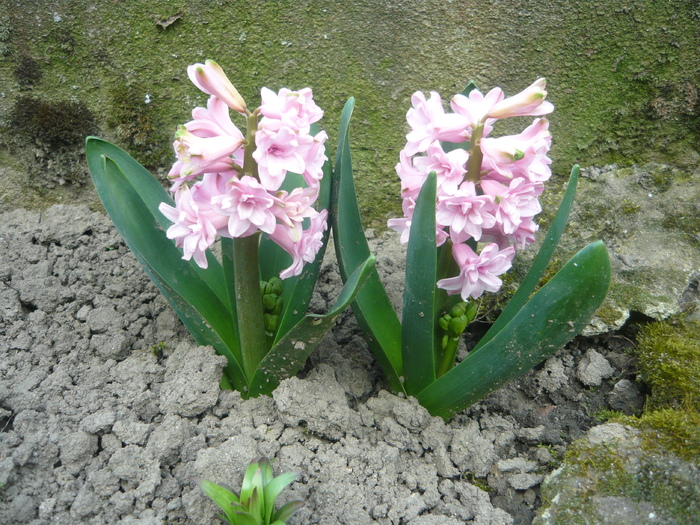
271 292
455 322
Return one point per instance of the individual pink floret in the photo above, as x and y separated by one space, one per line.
248 207
465 213
203 155
195 225
477 273
303 250
449 167
429 123
522 155
295 109
510 204
278 152
476 106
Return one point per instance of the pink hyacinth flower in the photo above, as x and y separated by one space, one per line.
201 155
512 203
210 78
294 207
465 213
294 109
449 167
530 101
476 106
523 155
248 207
303 250
195 225
213 121
278 152
477 273
314 159
429 122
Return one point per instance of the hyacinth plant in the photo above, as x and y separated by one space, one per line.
255 504
264 194
469 202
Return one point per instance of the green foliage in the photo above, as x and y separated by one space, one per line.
255 504
204 299
530 328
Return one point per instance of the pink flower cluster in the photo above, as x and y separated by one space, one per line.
486 193
233 199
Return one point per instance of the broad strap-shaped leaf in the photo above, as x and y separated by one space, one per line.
222 497
191 297
551 318
297 290
539 264
372 308
290 353
152 194
418 319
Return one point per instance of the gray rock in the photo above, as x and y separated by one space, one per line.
593 368
613 478
626 397
647 218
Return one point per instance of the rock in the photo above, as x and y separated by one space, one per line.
593 368
626 398
648 218
609 476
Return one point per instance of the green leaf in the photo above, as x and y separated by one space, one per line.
273 489
290 353
222 497
539 264
150 191
372 308
298 290
554 316
286 511
181 282
418 320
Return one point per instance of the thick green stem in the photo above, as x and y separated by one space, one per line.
475 155
251 327
250 167
449 354
249 308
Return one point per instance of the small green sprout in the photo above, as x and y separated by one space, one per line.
256 503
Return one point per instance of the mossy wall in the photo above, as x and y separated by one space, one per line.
623 79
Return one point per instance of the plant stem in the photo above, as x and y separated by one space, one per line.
249 307
475 155
449 354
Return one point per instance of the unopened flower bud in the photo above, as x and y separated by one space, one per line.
278 306
210 78
269 300
276 285
458 325
530 101
459 309
444 321
270 322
